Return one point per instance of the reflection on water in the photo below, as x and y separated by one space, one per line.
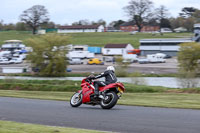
170 82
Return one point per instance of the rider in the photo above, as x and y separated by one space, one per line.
109 75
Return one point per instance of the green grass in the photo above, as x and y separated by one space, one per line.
66 85
167 100
96 39
15 127
49 95
100 39
14 35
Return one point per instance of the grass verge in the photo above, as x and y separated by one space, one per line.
85 74
167 100
96 39
65 85
14 127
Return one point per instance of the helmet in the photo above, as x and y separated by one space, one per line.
111 68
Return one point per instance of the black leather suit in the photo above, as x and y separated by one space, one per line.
109 78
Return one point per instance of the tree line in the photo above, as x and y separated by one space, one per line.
141 12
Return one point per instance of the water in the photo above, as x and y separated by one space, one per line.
170 82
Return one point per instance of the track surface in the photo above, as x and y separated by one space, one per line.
119 119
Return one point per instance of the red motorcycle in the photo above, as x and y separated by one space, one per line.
108 95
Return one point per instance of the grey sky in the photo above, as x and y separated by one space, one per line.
68 11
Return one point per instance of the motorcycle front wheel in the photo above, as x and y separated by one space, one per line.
109 101
76 100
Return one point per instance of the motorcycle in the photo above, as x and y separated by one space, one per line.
108 95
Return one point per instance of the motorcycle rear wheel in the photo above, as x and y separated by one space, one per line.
109 101
76 100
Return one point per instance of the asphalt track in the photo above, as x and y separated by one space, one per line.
123 119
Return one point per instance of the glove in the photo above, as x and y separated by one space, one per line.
91 77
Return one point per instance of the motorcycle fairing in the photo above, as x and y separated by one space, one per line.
113 85
86 94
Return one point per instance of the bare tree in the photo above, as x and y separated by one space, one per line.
35 16
82 22
162 15
162 12
1 25
139 11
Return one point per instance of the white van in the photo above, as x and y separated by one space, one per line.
153 58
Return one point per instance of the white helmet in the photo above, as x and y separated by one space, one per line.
111 68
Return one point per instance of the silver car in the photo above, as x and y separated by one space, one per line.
75 61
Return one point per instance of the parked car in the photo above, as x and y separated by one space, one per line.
16 61
3 58
75 61
4 62
133 32
128 61
69 70
166 30
95 61
22 56
167 56
108 59
143 60
164 56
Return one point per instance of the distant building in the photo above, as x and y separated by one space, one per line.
131 26
116 49
168 46
111 29
80 28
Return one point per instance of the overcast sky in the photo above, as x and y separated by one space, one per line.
69 11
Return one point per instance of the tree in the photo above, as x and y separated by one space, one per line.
189 62
187 12
101 22
116 24
82 22
139 11
9 26
165 23
177 22
196 15
20 26
162 15
35 16
49 54
189 57
49 25
1 25
189 23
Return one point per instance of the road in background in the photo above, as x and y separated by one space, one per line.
143 68
171 66
124 119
